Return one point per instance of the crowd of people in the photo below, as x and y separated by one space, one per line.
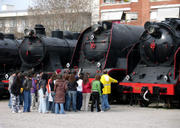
57 93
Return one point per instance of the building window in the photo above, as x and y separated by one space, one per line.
111 15
158 0
129 16
109 1
116 1
161 14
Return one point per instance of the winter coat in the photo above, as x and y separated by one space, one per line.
72 86
86 88
96 87
106 80
27 84
16 86
34 86
60 90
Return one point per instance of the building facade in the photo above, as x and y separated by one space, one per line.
137 12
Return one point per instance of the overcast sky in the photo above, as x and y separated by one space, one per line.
19 4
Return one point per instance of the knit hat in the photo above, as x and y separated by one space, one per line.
58 71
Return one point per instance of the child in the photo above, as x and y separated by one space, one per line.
96 93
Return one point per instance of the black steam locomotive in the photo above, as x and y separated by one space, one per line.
154 64
9 59
46 53
104 46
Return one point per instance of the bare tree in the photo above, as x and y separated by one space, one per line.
72 15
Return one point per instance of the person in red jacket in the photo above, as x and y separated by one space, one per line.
86 90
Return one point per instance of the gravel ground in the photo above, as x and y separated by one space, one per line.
120 116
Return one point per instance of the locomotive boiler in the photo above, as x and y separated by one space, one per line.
9 59
46 53
104 46
154 75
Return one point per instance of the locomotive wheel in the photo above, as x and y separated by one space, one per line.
143 103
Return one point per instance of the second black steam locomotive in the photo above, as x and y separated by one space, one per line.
35 51
154 73
104 46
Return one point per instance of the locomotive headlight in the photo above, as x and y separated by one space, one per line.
95 28
104 26
151 29
6 76
98 65
68 65
127 77
166 78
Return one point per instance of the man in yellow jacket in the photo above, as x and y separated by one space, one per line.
106 80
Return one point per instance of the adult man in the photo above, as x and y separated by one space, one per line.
106 80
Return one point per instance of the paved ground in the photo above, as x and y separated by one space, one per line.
120 116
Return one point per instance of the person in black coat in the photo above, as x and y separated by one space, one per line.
15 92
72 92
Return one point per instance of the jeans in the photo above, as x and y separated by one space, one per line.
42 102
79 100
61 108
95 99
33 101
86 97
72 95
10 101
66 101
104 102
52 104
27 100
47 102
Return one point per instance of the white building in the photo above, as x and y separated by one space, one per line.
12 21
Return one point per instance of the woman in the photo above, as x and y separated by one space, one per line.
72 92
86 92
15 92
60 90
